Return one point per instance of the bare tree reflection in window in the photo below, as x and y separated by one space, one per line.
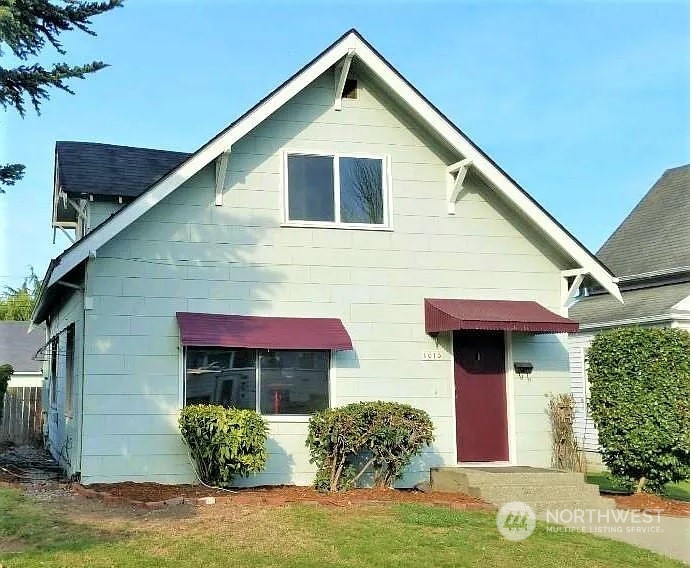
361 190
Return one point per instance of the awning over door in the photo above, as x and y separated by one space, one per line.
501 315
219 330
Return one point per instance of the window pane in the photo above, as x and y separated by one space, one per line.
361 190
311 188
294 382
220 376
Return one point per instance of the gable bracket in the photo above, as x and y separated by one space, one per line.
222 164
456 182
81 210
341 79
569 292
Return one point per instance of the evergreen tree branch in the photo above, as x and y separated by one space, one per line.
26 26
32 82
10 174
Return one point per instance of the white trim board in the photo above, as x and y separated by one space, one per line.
349 43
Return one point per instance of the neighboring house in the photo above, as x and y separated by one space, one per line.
650 254
341 241
19 349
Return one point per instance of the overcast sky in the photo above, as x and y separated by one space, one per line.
584 104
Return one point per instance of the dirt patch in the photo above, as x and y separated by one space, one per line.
279 495
649 502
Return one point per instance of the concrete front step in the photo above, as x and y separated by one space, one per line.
506 476
528 492
542 489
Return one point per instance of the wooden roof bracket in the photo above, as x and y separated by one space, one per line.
222 165
341 73
456 182
569 292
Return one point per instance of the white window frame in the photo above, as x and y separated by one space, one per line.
69 371
268 417
53 372
386 225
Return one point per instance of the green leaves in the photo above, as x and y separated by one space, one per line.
224 442
640 402
376 438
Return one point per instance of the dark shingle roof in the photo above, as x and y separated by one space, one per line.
109 170
17 348
655 236
641 303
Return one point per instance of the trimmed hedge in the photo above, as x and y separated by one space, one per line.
376 438
6 372
640 402
225 443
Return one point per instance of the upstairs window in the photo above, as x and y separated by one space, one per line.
336 190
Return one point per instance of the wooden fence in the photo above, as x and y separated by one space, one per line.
21 417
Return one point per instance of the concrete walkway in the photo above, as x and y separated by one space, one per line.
669 536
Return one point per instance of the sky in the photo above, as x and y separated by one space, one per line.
585 104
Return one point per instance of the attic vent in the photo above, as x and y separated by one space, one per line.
349 91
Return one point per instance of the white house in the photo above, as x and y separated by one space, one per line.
341 241
650 253
18 348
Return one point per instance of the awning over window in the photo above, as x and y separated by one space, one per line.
501 315
219 330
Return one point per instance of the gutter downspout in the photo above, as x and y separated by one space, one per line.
80 427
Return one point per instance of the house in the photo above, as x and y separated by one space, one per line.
19 348
340 241
21 408
650 254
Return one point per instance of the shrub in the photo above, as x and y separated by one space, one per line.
379 438
6 372
224 442
639 401
566 453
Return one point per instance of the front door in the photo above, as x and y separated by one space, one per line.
480 402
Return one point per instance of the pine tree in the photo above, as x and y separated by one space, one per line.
26 28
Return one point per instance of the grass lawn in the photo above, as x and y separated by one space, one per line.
77 532
680 491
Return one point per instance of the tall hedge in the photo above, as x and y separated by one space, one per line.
640 402
6 372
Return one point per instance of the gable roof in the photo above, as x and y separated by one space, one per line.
349 45
641 304
90 168
18 348
655 235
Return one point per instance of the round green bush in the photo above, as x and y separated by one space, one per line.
225 443
640 403
376 438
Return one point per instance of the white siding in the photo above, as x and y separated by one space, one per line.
25 380
585 431
186 254
63 427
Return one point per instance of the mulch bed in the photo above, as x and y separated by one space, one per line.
649 502
280 495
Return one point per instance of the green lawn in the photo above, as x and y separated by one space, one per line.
680 491
73 534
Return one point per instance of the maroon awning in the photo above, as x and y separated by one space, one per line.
501 315
220 330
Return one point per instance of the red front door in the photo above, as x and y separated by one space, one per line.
482 420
